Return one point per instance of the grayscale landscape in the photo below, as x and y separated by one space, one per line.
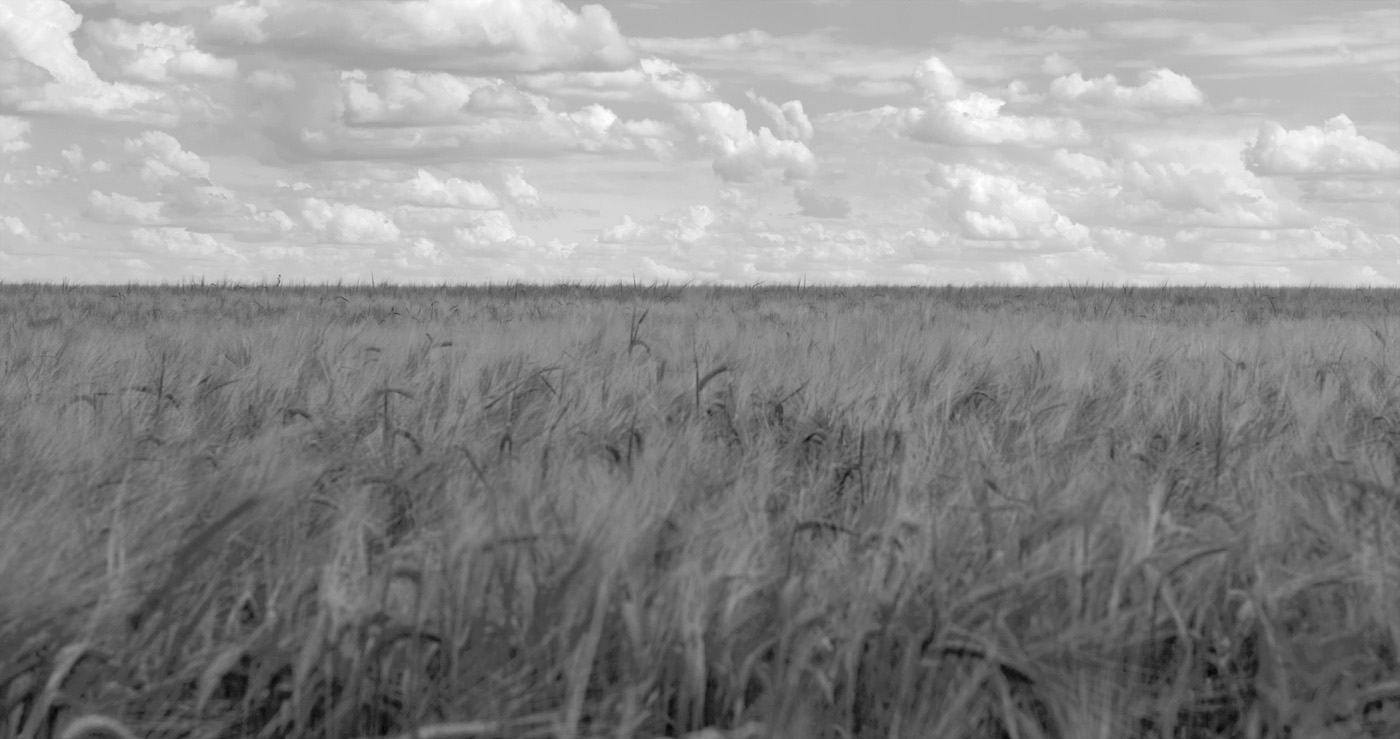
699 369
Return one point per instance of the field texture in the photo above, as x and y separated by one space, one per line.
788 512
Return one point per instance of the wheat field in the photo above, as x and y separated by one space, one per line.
664 511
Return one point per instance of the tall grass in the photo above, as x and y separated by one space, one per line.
612 511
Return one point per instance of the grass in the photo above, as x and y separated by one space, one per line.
645 511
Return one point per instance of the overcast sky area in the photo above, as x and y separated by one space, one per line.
734 141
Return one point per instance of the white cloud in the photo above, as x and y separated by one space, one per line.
989 206
483 36
153 52
119 208
952 114
790 121
41 70
1174 180
627 232
1082 166
652 78
741 154
165 159
347 223
492 228
1334 149
264 225
12 132
396 96
1160 89
520 192
180 242
73 155
684 227
429 191
15 227
818 205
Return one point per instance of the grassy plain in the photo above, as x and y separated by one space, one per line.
779 512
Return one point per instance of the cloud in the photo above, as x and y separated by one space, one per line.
817 205
1057 64
741 154
627 232
437 117
522 193
12 133
680 228
73 156
41 70
1170 179
1352 36
429 191
993 207
491 229
1351 191
952 114
480 37
1334 149
166 160
402 97
1160 89
118 208
181 242
653 78
790 121
152 52
347 223
14 226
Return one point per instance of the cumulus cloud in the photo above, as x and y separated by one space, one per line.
491 229
152 52
119 208
15 227
994 207
818 205
12 133
347 223
1160 89
790 121
403 97
952 114
520 192
41 70
165 160
1334 149
264 225
1181 182
485 36
741 154
627 232
429 191
74 158
680 228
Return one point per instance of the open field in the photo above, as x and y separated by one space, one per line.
640 512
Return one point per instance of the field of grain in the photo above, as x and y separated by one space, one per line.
788 512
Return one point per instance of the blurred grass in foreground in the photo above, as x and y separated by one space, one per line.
335 511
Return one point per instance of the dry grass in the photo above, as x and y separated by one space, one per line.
582 511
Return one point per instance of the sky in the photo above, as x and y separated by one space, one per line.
712 141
